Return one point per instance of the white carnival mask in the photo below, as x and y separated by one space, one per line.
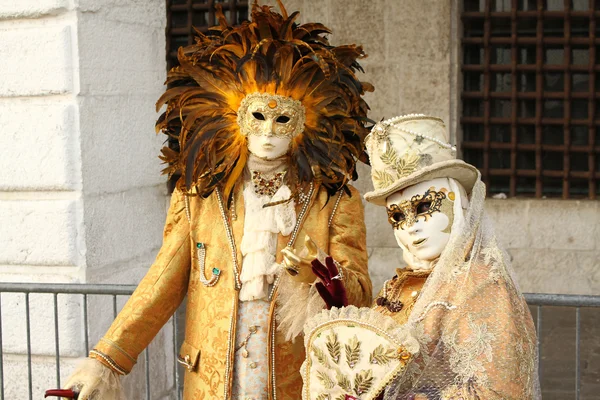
422 217
270 122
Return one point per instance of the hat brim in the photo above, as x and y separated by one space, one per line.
464 173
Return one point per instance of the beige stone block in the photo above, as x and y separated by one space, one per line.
379 231
35 61
418 30
565 272
425 88
123 226
40 232
359 22
510 219
118 58
41 135
563 224
363 183
383 102
383 262
10 9
118 144
596 231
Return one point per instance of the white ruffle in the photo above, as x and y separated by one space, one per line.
296 304
259 243
367 316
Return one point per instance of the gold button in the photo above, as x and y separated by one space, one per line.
252 365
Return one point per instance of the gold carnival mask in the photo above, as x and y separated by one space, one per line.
270 114
406 213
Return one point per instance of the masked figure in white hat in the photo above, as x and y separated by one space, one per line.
456 298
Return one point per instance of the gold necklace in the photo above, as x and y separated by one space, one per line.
265 186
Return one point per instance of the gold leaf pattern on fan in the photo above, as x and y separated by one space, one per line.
363 381
352 351
343 381
382 356
326 380
333 346
321 356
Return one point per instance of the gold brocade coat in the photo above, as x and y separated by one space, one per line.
337 227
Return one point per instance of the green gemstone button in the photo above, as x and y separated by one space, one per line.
216 271
199 245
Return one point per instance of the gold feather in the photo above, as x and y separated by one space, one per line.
270 53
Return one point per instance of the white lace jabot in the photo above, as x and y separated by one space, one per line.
261 228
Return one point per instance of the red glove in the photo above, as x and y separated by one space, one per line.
331 288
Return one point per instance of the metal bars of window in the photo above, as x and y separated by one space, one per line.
185 15
530 114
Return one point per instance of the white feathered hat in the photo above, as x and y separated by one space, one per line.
409 149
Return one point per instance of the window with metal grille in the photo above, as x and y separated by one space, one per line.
530 116
185 15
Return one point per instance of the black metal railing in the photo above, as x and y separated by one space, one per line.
83 292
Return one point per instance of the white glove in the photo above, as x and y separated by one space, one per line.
94 381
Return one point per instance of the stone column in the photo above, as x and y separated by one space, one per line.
81 195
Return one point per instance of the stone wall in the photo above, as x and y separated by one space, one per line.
81 196
413 62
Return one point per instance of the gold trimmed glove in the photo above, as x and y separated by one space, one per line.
94 381
299 265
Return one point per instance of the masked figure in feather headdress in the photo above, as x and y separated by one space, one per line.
270 123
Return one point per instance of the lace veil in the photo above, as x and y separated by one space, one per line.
476 335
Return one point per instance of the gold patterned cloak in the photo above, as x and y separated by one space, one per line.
337 227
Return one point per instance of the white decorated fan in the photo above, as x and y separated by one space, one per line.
353 353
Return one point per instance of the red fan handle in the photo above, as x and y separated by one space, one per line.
65 393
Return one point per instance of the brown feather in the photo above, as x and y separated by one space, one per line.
269 53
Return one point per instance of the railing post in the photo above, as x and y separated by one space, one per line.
577 352
28 326
56 340
2 354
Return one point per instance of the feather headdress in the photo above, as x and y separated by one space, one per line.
269 54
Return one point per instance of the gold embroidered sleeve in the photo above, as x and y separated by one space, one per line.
157 296
348 247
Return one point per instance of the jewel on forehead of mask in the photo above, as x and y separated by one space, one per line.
272 103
